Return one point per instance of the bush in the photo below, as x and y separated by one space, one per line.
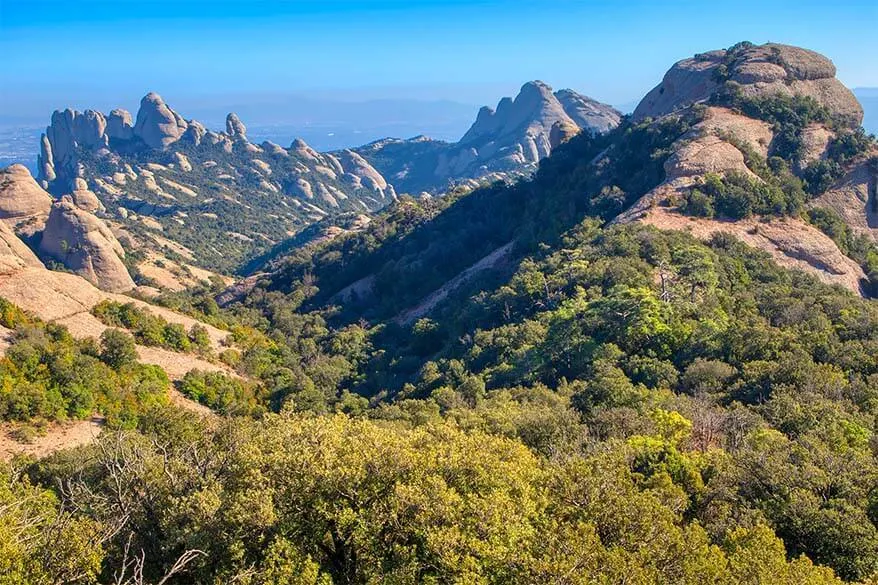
117 349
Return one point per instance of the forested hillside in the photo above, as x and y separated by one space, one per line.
523 383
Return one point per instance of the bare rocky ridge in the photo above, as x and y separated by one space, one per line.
174 176
759 70
504 142
712 146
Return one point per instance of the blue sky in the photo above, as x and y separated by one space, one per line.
105 53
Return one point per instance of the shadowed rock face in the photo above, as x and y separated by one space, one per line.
85 245
14 254
759 70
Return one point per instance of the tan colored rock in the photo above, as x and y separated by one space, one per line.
855 198
757 70
725 122
815 140
21 198
86 199
562 132
706 154
791 242
157 124
235 127
120 125
14 254
85 245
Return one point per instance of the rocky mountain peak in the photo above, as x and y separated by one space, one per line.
235 127
158 125
757 70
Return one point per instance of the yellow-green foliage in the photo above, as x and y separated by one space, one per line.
331 499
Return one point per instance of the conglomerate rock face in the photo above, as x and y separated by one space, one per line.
758 70
85 245
21 198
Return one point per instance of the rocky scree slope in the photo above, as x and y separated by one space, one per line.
505 142
215 193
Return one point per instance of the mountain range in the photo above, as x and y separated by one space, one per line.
585 347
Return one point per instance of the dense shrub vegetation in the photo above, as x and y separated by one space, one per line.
749 389
304 499
46 375
153 330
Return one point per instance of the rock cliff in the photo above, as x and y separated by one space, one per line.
503 142
758 70
20 196
85 245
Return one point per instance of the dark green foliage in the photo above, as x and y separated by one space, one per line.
417 245
219 392
859 247
117 349
737 196
47 375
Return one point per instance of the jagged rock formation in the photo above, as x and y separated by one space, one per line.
85 245
165 174
20 196
235 127
507 141
84 198
157 125
759 70
718 144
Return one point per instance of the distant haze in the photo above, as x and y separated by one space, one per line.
868 97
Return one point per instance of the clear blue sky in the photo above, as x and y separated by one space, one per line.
91 52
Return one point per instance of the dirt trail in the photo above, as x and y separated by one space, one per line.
58 436
429 302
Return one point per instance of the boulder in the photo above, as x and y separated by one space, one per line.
85 245
158 125
235 127
84 198
759 70
119 125
195 133
21 198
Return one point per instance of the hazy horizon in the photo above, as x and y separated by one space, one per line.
340 73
